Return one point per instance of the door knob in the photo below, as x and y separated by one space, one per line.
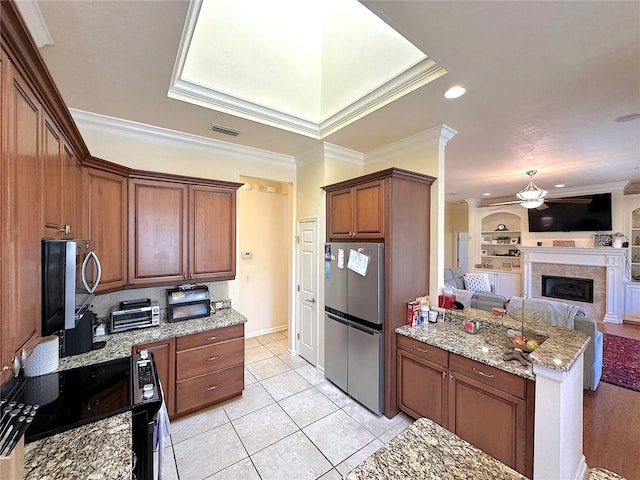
310 300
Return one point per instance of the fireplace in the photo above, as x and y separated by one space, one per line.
605 265
568 288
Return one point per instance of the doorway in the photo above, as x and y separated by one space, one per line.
307 289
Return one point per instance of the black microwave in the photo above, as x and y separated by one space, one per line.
70 275
186 302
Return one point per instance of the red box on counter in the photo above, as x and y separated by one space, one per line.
446 301
413 313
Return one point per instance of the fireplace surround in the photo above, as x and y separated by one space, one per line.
611 260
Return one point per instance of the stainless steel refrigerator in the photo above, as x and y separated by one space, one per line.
354 320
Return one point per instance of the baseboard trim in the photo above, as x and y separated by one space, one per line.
266 331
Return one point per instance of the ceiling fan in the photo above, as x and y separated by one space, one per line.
534 197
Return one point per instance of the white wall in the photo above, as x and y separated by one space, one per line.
264 230
422 153
456 220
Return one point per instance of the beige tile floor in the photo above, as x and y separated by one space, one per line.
290 423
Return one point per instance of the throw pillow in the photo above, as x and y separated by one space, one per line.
477 282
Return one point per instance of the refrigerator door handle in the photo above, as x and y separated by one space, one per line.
337 319
363 329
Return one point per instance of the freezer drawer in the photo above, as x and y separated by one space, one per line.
365 367
336 338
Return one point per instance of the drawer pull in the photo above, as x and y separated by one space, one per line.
211 359
211 338
212 388
487 375
419 349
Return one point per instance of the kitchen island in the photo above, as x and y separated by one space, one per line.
100 450
554 379
425 450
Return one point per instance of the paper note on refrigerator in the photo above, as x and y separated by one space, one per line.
341 258
358 262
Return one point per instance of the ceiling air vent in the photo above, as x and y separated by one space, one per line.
225 130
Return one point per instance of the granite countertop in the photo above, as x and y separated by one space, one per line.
559 351
100 450
426 450
603 474
119 344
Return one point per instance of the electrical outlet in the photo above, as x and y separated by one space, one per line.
219 305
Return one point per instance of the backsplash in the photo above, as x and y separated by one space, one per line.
101 305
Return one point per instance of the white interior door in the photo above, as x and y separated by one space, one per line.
463 250
308 291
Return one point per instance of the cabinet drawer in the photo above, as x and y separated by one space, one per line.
197 361
209 337
210 388
499 379
422 350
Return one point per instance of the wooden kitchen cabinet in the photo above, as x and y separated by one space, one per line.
20 213
106 216
356 212
493 410
157 232
212 233
180 231
422 380
488 407
62 173
209 367
164 356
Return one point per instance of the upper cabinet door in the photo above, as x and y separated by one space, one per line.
21 215
340 215
106 195
356 213
157 232
52 172
212 232
72 198
368 210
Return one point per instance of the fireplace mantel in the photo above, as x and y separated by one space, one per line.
613 259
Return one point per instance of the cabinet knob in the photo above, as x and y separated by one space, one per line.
5 368
66 230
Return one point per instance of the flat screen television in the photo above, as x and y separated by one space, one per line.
573 217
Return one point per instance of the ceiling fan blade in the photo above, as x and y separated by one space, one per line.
505 203
568 200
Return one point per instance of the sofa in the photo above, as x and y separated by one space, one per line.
569 316
480 300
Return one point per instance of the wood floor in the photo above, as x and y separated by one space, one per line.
612 420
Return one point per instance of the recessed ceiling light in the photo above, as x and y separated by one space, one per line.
560 185
486 194
455 92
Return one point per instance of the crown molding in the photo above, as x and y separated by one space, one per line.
439 134
343 154
32 16
164 136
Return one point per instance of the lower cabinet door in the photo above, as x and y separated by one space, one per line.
490 419
210 388
421 388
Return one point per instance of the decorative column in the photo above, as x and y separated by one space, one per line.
557 449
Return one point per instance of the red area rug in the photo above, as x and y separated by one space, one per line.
621 361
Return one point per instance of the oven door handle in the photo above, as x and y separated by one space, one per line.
91 255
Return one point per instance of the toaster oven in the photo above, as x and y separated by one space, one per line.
134 314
